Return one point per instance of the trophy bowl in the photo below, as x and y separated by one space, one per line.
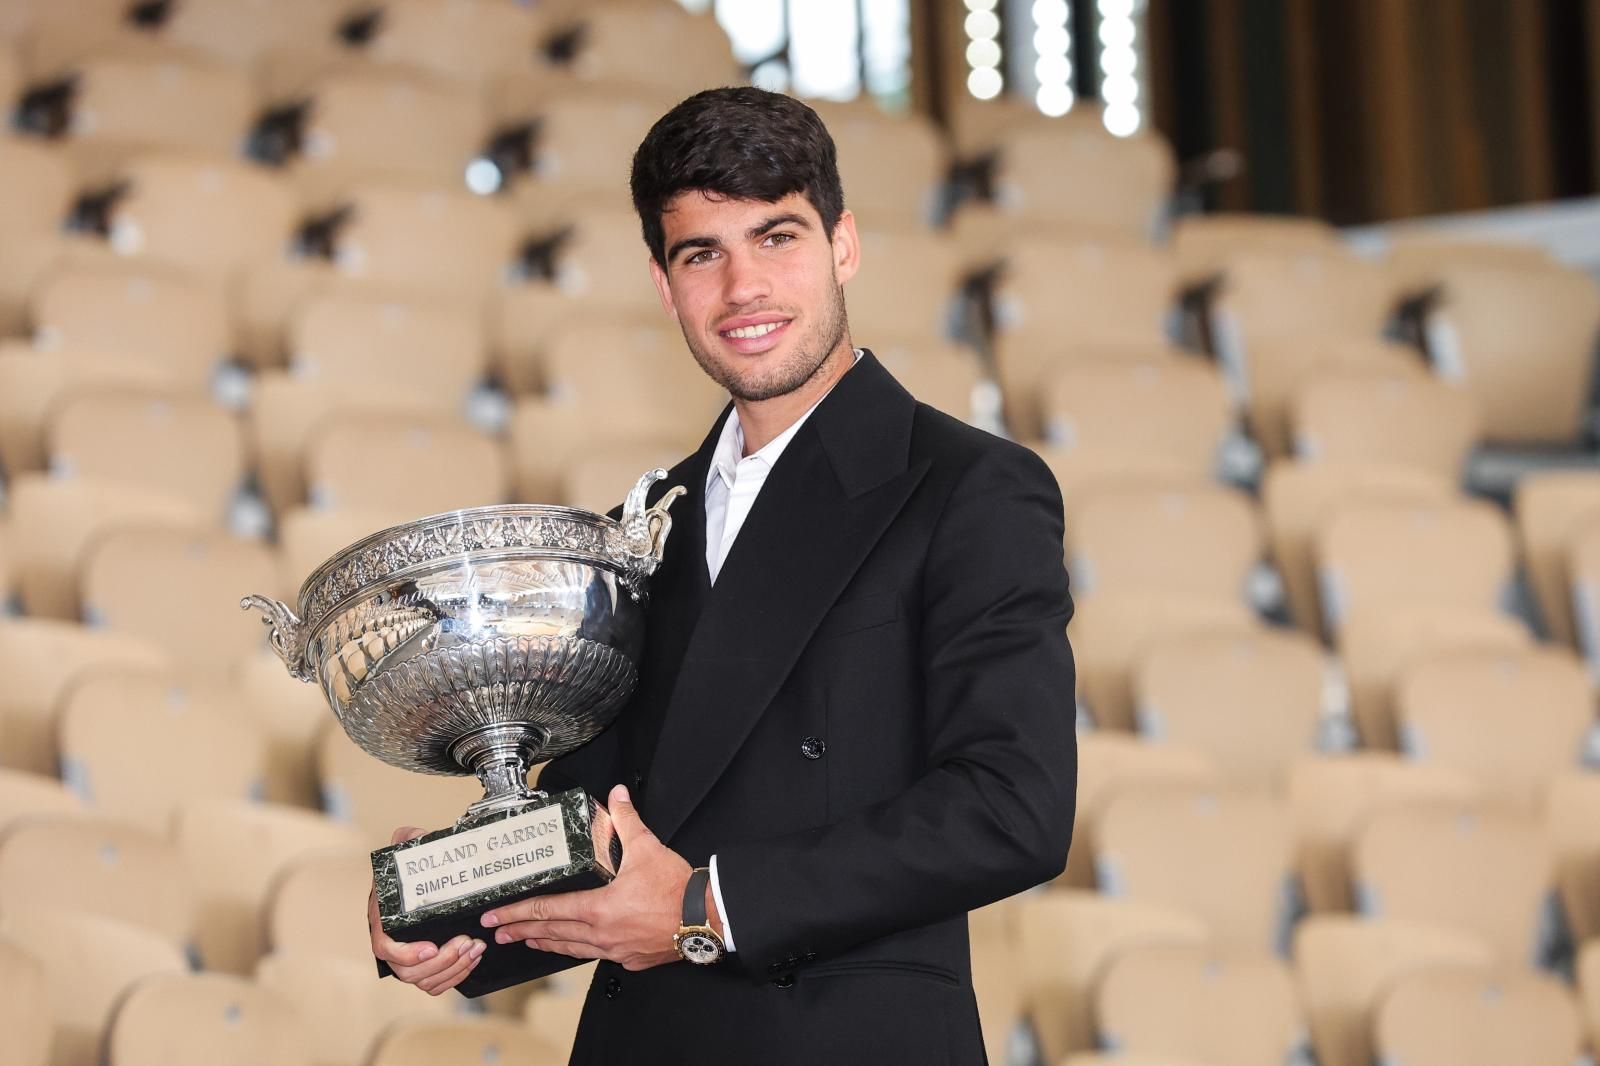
482 641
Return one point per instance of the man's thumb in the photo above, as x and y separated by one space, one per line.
625 816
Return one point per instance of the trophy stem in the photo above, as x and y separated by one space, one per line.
501 756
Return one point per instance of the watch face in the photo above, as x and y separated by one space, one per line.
699 948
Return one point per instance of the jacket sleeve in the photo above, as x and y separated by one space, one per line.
993 813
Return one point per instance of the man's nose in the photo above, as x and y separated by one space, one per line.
744 281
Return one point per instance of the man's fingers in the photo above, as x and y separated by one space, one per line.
575 949
405 833
442 959
625 817
561 907
465 964
398 953
574 931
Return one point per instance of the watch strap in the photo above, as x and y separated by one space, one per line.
694 897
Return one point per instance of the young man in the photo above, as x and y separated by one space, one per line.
854 717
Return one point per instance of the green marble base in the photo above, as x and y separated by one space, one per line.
437 886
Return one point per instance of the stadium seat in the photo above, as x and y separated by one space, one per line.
467 42
1075 172
1418 260
345 339
290 714
622 42
1170 408
375 798
1477 869
1514 720
1199 542
907 286
500 1041
894 168
1589 988
1572 827
1066 941
138 312
1392 418
40 660
203 1019
1109 763
580 141
1081 472
1332 798
1111 1058
1551 508
1205 244
90 963
244 33
447 242
342 1010
1522 342
180 591
102 866
999 990
1109 633
598 480
406 466
1225 856
193 744
1377 647
1251 702
1375 555
25 795
942 374
1297 498
1192 1000
549 440
309 537
25 1008
234 852
182 449
553 1016
8 571
1464 1017
318 908
38 180
1281 367
1345 965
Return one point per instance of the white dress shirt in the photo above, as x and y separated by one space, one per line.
732 485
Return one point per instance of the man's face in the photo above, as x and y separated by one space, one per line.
757 288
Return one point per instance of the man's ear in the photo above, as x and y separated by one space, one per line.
663 288
846 248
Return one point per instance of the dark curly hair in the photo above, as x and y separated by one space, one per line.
742 143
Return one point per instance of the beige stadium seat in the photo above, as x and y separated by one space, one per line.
38 180
1110 763
290 715
893 169
191 740
181 592
442 240
1385 418
907 286
1418 260
100 866
497 1040
1345 965
1374 555
241 33
342 1010
268 293
1225 856
1081 472
415 467
1192 1000
25 795
183 449
999 991
1109 633
1572 826
1297 498
553 1016
8 571
1199 542
40 660
1464 1017
1583 564
1514 720
201 1019
622 43
137 312
1077 172
347 340
1377 647
386 125
598 481
1280 367
234 852
25 1008
307 538
1205 244
1169 408
580 141
455 40
634 374
1480 870
549 440
376 798
942 374
1067 939
318 907
1333 797
1251 702
1111 1058
90 963
28 259
1522 342
1550 509
1589 988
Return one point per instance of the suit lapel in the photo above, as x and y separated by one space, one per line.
828 500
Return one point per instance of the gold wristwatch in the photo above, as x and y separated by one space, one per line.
695 940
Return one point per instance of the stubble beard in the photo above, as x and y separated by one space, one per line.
804 363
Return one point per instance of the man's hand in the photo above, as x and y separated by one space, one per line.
631 921
432 969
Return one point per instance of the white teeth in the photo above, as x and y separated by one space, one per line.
746 332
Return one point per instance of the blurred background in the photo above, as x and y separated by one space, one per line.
1297 298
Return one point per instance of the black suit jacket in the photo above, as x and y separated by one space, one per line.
869 720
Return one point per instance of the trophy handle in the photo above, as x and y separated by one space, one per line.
288 634
641 540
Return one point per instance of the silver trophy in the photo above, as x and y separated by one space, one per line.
483 641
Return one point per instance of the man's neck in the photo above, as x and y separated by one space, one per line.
761 421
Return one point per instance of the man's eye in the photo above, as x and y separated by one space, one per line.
698 258
779 238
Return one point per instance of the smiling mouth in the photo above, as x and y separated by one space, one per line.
752 332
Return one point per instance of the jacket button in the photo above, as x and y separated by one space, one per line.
786 981
613 988
813 747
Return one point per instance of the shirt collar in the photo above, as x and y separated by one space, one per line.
730 444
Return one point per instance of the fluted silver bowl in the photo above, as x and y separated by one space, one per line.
481 641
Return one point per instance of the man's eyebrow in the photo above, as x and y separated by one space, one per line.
691 242
789 219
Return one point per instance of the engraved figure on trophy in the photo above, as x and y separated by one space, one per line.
483 641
